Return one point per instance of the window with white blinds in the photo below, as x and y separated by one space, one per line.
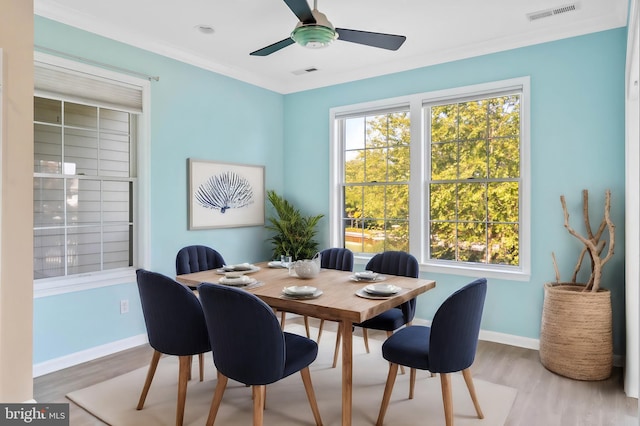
84 173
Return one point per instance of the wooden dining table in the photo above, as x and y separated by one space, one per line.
338 302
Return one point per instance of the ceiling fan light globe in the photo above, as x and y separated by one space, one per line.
313 36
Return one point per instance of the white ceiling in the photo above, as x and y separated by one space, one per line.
436 31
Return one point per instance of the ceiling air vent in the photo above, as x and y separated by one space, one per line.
304 71
534 16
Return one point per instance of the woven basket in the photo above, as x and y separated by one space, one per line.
576 333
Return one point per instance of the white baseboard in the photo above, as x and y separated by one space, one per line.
88 355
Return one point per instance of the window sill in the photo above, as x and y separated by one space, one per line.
62 285
463 270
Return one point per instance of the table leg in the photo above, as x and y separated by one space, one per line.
347 371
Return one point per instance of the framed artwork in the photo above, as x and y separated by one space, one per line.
225 195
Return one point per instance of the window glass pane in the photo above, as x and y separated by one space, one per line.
504 116
504 161
353 235
397 237
354 133
47 149
83 201
504 244
472 242
80 116
442 242
376 165
472 203
442 202
114 155
473 160
80 152
84 253
354 166
503 202
116 201
48 202
373 236
114 121
47 110
117 244
399 207
472 120
48 253
444 160
398 164
444 123
374 202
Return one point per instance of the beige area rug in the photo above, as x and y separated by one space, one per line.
114 400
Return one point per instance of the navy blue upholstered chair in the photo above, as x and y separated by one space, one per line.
263 354
175 326
388 263
335 258
331 258
448 346
197 258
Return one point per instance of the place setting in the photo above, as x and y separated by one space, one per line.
367 276
245 268
239 279
378 291
301 292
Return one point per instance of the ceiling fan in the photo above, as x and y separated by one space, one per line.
314 31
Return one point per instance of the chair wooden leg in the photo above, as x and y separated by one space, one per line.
258 405
282 318
447 400
183 378
320 331
190 364
217 398
386 397
366 339
306 326
201 362
336 351
466 373
306 379
412 382
147 383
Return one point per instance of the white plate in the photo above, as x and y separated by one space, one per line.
362 293
382 289
276 264
304 290
313 295
240 281
242 267
367 280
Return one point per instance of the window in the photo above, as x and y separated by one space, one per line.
83 188
443 175
376 181
90 136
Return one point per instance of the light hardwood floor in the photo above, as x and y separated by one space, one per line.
544 398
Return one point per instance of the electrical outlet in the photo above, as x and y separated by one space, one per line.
124 306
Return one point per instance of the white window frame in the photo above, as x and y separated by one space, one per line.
141 204
418 196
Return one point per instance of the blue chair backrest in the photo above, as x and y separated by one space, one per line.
455 328
246 339
197 258
173 315
397 263
337 258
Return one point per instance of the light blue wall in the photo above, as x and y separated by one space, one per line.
577 142
194 113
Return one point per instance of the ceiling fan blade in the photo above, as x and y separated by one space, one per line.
302 10
384 41
273 47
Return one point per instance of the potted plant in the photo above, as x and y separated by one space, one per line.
294 233
576 331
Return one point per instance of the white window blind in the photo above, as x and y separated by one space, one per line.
57 81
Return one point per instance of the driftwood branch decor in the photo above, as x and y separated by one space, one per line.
593 245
